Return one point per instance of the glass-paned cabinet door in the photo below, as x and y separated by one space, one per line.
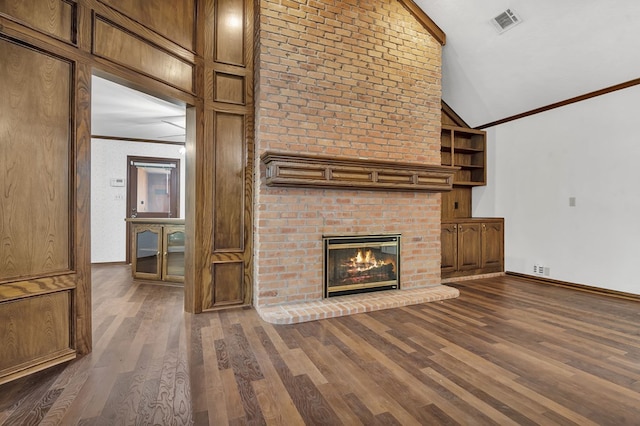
147 239
174 253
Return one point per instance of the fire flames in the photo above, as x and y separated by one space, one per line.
364 262
361 266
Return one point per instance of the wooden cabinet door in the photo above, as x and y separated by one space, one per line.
146 262
173 253
469 246
449 247
492 245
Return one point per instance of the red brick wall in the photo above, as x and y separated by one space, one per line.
350 78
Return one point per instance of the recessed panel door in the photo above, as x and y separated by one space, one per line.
469 247
492 245
449 247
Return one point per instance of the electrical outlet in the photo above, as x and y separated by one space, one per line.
539 269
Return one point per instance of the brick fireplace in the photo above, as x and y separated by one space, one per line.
345 79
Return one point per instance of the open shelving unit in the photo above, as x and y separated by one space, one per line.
465 148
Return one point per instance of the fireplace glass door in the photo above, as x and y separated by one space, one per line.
361 264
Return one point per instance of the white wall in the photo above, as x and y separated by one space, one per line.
589 150
108 203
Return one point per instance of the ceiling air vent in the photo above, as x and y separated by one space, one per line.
506 20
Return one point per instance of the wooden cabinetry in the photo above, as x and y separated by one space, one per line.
465 148
157 249
472 246
456 203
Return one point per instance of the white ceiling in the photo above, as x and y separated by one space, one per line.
562 49
119 111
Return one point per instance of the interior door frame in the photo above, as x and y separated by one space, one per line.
132 179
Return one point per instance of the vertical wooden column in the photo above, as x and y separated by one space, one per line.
225 157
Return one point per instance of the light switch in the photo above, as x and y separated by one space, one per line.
572 201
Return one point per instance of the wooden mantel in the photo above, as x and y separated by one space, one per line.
288 169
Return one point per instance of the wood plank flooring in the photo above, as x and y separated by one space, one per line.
508 351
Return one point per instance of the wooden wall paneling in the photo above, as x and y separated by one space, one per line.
81 153
44 218
55 18
36 287
203 200
229 168
229 88
200 240
193 215
115 44
225 288
35 151
35 329
84 27
230 32
47 63
456 203
135 27
227 153
249 164
175 20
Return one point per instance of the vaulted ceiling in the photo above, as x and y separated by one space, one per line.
560 50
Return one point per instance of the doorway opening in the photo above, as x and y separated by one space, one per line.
127 125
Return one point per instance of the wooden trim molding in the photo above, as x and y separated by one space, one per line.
454 116
581 287
293 170
36 287
426 22
570 101
122 138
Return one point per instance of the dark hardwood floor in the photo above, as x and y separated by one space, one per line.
507 351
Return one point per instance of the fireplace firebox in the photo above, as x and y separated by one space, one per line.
358 264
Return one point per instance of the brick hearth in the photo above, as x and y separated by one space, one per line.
293 313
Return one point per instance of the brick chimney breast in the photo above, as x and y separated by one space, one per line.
354 79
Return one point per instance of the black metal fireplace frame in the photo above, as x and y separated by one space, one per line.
362 241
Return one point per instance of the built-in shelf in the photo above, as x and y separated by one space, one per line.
465 148
285 169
